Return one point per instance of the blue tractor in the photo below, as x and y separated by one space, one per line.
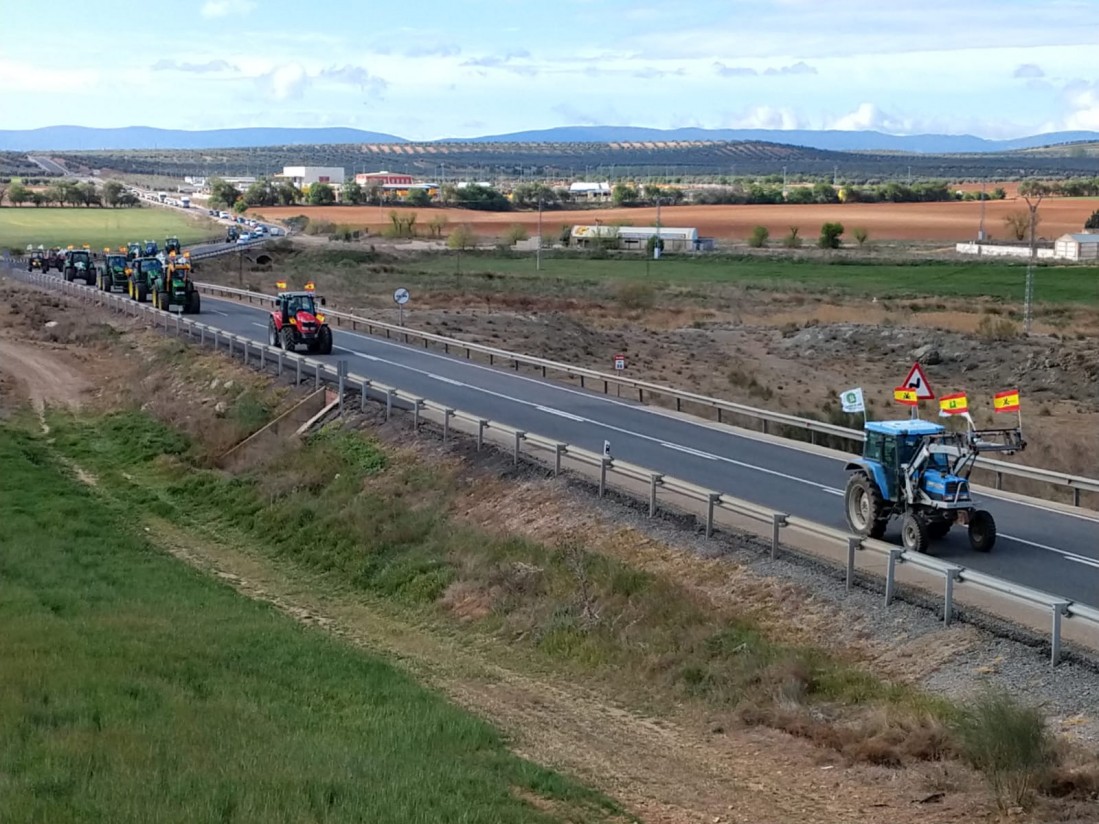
919 471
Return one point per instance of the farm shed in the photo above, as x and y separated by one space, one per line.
635 237
1077 246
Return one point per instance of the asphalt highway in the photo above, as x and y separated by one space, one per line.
1038 546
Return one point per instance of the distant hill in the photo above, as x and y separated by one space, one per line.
839 141
81 138
78 138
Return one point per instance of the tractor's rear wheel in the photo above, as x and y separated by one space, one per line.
865 507
982 530
914 533
272 334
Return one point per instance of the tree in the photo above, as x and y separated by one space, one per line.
830 235
1017 223
515 232
18 193
792 241
419 197
240 207
112 192
484 198
624 194
321 194
261 193
223 194
860 235
353 193
461 237
758 238
3 191
528 196
437 224
287 193
1091 223
89 195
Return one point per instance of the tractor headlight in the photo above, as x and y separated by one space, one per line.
320 318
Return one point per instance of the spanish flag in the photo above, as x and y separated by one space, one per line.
310 286
280 284
956 404
1007 401
906 395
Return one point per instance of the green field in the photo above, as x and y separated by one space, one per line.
56 226
136 689
1004 281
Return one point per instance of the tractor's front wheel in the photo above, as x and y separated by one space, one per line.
982 530
194 303
162 301
914 533
287 339
142 292
324 344
865 507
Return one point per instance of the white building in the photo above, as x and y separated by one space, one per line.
1077 246
675 239
591 191
308 175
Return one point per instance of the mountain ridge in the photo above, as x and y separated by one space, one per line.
76 138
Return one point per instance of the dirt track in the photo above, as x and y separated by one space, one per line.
43 377
946 222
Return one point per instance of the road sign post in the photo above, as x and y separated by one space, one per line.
619 366
916 380
400 297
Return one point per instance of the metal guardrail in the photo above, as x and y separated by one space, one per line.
999 469
1058 608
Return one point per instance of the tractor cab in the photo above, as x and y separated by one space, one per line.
919 471
149 249
36 259
133 251
172 245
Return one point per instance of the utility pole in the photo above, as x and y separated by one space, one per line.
981 228
784 183
538 251
1028 299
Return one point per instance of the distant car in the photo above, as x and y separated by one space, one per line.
243 239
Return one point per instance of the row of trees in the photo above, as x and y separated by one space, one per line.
67 193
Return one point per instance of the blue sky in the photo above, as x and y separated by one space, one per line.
425 70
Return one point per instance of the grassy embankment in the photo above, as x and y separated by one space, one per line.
135 689
55 226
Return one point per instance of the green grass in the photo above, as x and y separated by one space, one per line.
387 534
54 226
1004 281
135 689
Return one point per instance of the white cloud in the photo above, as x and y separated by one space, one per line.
224 8
45 79
1083 99
286 82
865 117
1029 70
766 117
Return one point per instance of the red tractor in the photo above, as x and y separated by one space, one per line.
296 322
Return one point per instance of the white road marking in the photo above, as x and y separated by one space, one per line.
451 381
549 410
1068 556
362 355
690 451
217 312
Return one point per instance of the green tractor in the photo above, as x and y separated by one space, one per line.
142 274
113 276
133 250
172 244
173 290
78 264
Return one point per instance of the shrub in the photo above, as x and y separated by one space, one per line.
1009 744
830 235
461 238
515 233
636 296
758 238
1093 221
860 235
792 241
997 328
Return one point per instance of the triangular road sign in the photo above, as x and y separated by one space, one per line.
918 380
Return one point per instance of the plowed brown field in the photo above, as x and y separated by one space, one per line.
948 222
